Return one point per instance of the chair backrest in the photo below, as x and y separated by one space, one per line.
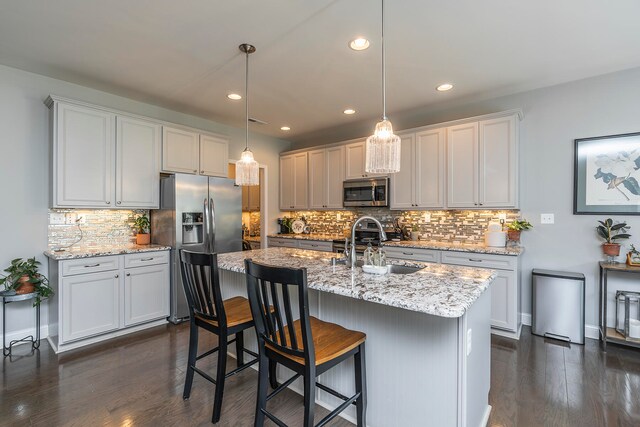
202 285
271 291
246 246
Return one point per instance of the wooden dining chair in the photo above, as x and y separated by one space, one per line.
308 346
209 311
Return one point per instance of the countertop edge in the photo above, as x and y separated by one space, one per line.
97 252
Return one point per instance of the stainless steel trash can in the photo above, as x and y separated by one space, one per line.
558 305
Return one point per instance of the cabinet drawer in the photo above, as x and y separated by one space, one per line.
500 262
282 243
90 265
146 258
414 254
316 245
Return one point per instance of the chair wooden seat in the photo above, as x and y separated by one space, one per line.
237 310
329 340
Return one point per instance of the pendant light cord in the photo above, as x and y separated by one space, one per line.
384 79
246 101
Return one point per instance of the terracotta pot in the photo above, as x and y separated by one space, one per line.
143 238
25 287
514 235
611 249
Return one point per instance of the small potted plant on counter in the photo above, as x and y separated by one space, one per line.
23 278
415 232
141 224
515 227
611 232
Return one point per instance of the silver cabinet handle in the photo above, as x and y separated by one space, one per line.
128 274
195 171
201 171
116 276
407 253
146 259
475 260
108 202
92 265
118 202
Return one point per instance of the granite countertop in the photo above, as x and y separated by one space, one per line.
437 289
76 252
458 247
325 237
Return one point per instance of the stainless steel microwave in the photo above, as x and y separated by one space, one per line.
366 192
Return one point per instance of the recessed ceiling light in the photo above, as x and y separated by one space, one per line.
359 43
285 128
349 111
444 87
234 96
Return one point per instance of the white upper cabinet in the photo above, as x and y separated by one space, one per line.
462 166
83 156
403 182
355 154
294 181
326 175
214 156
498 163
180 150
137 163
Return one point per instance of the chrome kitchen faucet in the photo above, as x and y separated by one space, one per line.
352 252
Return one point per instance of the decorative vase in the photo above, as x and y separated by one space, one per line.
143 238
611 249
415 235
514 235
25 286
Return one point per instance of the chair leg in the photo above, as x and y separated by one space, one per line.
361 386
240 348
193 353
273 380
309 395
263 380
220 374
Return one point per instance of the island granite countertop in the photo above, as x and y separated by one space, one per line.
437 289
102 250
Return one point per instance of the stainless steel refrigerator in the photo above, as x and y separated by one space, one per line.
197 213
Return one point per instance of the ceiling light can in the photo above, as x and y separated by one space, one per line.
349 111
234 96
444 87
359 43
285 128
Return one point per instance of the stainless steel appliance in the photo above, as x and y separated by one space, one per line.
558 305
366 232
366 192
198 213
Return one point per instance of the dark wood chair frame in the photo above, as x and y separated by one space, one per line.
271 328
200 278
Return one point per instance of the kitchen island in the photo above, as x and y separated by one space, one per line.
428 334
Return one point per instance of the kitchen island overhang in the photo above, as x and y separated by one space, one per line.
428 334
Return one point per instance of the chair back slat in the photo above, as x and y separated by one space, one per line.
275 323
201 282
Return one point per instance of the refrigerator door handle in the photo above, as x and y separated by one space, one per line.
212 228
205 226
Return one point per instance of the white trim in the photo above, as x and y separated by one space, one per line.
590 331
485 417
526 319
22 333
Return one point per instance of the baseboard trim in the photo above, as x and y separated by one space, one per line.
590 331
485 417
23 333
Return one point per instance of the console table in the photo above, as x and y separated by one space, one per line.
35 342
610 334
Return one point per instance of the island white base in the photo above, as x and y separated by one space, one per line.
422 370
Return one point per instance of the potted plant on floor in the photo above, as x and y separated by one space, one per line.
515 227
23 278
142 225
611 232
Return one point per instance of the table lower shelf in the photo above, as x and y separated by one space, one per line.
616 337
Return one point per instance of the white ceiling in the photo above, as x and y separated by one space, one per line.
184 55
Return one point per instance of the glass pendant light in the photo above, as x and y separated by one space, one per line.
383 147
247 169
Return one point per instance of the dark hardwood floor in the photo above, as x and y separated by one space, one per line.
137 381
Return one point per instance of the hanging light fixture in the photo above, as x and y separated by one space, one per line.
383 147
247 167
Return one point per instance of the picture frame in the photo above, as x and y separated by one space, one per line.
606 175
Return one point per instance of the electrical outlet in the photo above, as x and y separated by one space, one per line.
426 217
70 218
469 340
502 216
57 218
546 219
82 219
338 216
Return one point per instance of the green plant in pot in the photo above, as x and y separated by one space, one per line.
23 278
515 228
611 233
142 225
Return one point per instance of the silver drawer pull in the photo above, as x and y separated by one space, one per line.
475 260
407 253
92 265
146 259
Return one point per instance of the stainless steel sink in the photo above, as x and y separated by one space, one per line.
396 269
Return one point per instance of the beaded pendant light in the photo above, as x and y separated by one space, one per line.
383 147
247 168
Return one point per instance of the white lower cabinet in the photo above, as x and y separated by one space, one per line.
146 294
314 245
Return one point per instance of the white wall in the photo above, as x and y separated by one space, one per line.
554 117
24 163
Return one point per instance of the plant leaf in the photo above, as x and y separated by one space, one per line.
621 236
618 226
632 185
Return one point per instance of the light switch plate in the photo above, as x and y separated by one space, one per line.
546 219
70 218
502 216
57 218
426 217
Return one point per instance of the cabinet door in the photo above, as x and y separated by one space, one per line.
180 150
146 294
462 171
318 179
504 305
245 198
214 156
300 181
254 198
287 169
335 177
429 172
137 163
84 155
403 183
354 160
498 163
90 305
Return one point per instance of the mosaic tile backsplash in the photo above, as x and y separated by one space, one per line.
101 227
251 221
446 226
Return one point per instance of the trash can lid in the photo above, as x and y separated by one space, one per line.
559 274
